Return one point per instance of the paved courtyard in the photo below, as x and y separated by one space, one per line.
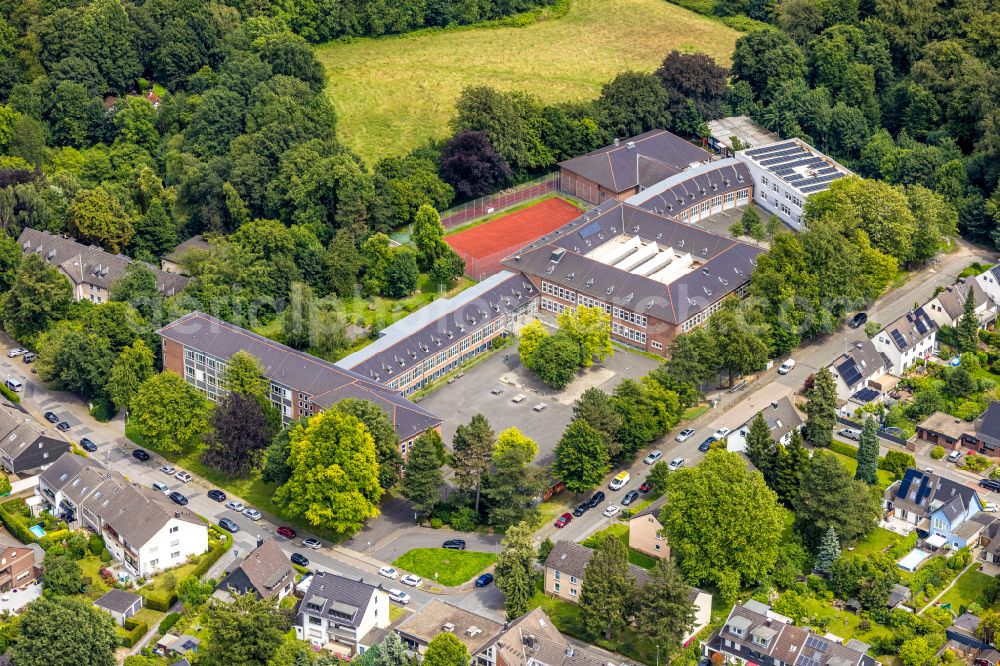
472 394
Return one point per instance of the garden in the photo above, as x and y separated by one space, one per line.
445 566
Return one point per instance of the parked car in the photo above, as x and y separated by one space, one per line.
564 520
596 499
581 509
990 484
497 391
645 487
51 417
139 454
399 596
182 476
484 580
62 426
630 497
619 481
311 543
850 433
286 532
17 351
786 367
235 506
14 385
519 398
88 445
252 514
411 580
29 357
540 406
720 433
168 469
990 507
216 494
858 320
389 573
954 456
675 464
707 444
612 511
454 544
653 457
684 435
299 559
162 487
178 498
228 525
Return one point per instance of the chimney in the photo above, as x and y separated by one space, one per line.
774 404
177 514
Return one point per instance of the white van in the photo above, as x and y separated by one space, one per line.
14 385
619 481
786 367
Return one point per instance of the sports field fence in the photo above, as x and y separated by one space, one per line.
491 204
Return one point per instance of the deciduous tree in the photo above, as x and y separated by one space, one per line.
244 374
471 165
100 218
446 650
244 632
830 497
590 328
64 632
133 366
240 433
63 576
170 412
557 360
531 338
40 296
515 484
633 103
582 457
390 461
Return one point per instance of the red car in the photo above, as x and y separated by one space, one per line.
564 519
645 487
286 532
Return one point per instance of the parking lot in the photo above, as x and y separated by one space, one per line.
473 394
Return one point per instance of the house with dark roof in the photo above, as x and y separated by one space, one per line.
172 645
904 341
171 261
935 506
439 337
699 192
342 615
753 633
265 571
477 633
986 437
899 595
564 573
654 276
949 306
121 605
533 640
197 347
782 418
90 270
858 368
620 170
645 533
24 446
141 527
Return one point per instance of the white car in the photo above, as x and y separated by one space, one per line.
786 367
519 398
168 469
612 511
252 514
389 573
311 543
411 580
676 464
653 457
235 506
684 435
16 352
720 433
399 596
182 476
991 507
954 456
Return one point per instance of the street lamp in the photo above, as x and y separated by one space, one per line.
657 654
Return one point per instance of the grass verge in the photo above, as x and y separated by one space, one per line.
452 567
620 532
966 589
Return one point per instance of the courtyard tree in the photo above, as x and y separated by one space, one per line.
531 337
423 479
334 480
169 412
821 408
867 470
590 329
472 447
608 593
64 632
663 612
557 360
515 569
582 457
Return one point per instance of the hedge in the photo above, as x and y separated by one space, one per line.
134 631
12 519
10 395
164 602
168 622
53 538
844 449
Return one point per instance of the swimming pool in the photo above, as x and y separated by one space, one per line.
37 531
913 559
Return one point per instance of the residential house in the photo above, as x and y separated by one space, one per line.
533 640
645 533
622 169
987 657
90 270
564 571
905 340
265 571
949 306
860 367
944 430
342 615
23 446
986 429
172 645
121 605
933 505
782 420
476 632
754 634
172 261
198 346
989 281
141 527
17 564
989 538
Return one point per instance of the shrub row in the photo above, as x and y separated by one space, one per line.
168 622
13 520
10 395
134 631
213 555
895 462
844 449
53 538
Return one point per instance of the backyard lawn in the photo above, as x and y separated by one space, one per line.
966 589
876 541
885 478
843 623
452 567
620 532
394 93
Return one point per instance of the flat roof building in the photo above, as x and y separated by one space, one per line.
748 132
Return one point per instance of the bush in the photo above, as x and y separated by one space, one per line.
10 395
437 523
897 462
134 631
213 555
168 622
976 462
103 410
12 516
105 555
95 545
843 449
937 452
158 601
464 519
5 486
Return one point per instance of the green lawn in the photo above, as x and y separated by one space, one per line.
885 478
844 623
452 567
91 568
394 93
620 532
691 413
966 589
875 542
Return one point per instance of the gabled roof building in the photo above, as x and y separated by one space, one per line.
24 447
265 571
947 308
782 420
904 341
858 368
341 614
695 194
933 505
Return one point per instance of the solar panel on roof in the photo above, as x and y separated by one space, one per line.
783 156
849 372
905 485
819 179
817 643
590 230
899 339
753 152
804 161
803 660
921 326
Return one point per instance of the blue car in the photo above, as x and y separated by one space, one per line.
484 580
